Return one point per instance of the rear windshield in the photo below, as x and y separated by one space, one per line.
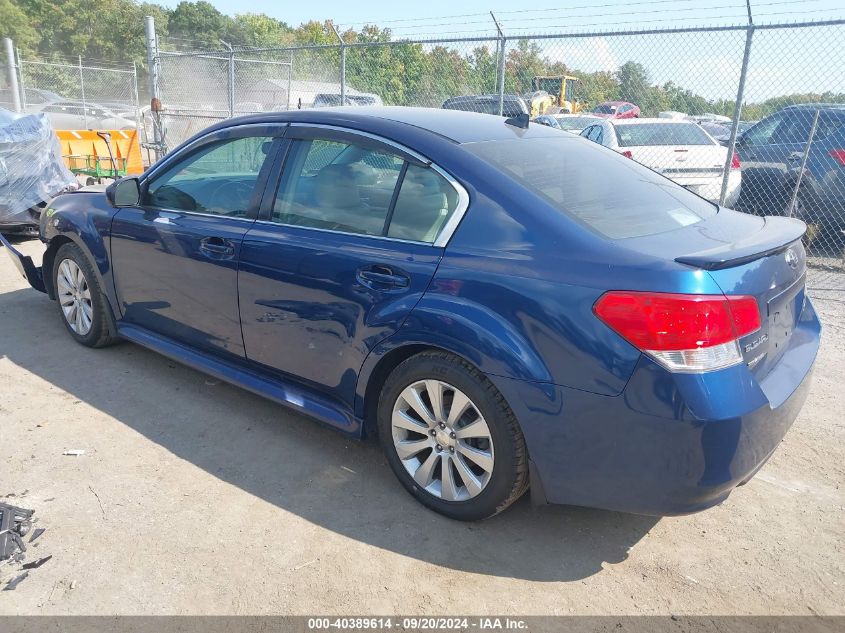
510 107
598 187
635 134
605 109
575 122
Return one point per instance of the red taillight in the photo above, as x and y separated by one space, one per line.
627 154
682 332
839 155
735 164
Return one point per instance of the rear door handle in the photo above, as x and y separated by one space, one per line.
380 277
217 247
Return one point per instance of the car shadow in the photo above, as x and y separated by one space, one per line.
297 465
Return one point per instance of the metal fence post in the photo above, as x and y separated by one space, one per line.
11 68
153 66
342 65
82 92
138 121
290 78
740 95
230 86
791 207
500 63
231 83
21 79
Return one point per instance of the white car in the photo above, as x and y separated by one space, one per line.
680 150
75 115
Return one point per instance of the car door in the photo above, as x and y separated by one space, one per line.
175 256
345 247
767 152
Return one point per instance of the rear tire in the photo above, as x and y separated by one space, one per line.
82 305
464 457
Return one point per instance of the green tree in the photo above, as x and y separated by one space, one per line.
15 23
523 63
260 31
201 22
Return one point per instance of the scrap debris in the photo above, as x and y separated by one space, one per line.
14 582
36 533
37 563
75 452
15 523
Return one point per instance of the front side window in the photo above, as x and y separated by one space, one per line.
354 189
218 179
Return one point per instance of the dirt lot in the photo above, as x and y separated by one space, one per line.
196 497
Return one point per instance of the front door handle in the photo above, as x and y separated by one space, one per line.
217 248
380 277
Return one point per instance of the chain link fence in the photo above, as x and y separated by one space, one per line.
84 94
752 116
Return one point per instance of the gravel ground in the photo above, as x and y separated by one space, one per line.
193 496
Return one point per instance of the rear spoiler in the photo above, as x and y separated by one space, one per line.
25 266
775 236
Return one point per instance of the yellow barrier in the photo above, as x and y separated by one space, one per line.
125 144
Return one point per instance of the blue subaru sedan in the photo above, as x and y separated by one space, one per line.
505 307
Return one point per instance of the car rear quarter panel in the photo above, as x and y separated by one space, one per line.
515 290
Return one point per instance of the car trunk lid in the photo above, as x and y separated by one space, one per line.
746 255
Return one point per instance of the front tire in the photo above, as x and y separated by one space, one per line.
80 299
451 438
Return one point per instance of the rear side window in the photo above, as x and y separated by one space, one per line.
353 189
425 202
637 134
573 176
337 186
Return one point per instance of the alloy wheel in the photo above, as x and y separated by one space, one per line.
74 297
442 440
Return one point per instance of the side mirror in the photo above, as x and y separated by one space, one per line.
125 192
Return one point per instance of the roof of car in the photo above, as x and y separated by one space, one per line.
490 97
816 106
641 120
456 125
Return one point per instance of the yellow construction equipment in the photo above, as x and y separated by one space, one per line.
563 89
101 154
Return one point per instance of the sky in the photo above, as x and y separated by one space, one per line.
783 61
435 16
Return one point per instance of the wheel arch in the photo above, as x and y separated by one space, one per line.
49 259
366 400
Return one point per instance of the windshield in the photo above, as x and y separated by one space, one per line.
573 175
636 134
549 84
575 122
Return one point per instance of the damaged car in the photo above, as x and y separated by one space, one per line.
469 289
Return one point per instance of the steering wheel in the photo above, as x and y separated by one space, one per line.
230 197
